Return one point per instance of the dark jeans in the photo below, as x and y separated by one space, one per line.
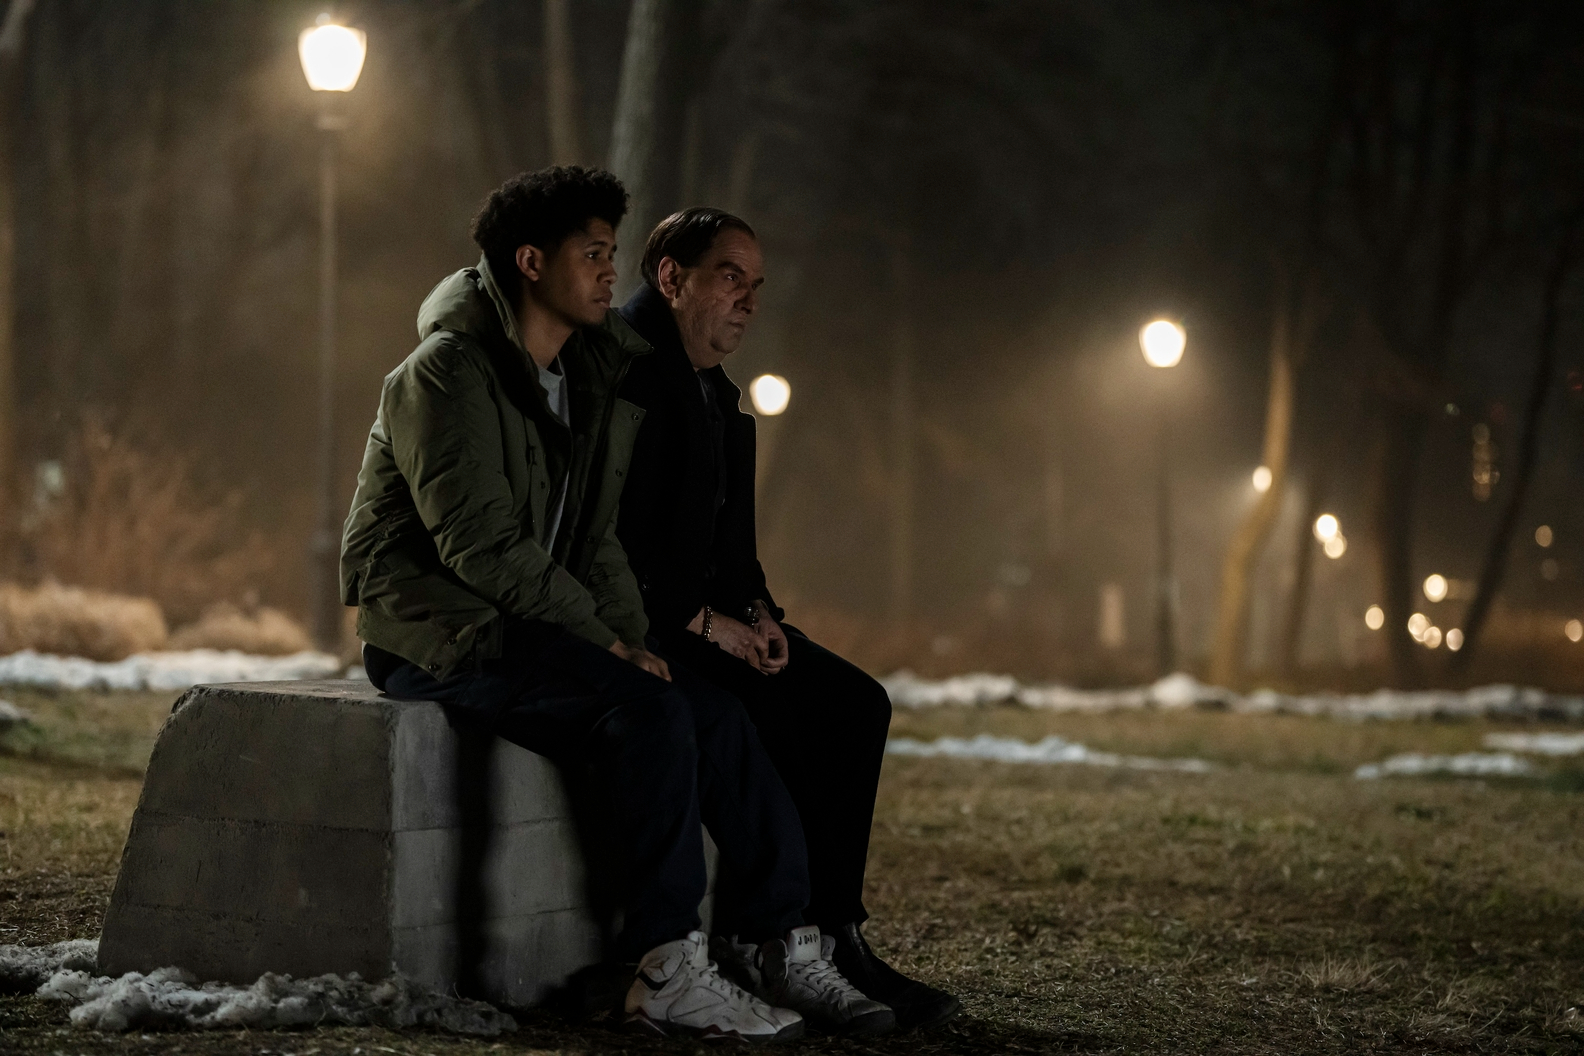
667 757
824 723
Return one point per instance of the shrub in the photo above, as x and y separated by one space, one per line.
133 520
72 621
264 631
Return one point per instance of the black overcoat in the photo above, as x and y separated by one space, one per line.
684 552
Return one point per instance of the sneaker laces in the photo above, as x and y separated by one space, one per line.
824 974
712 979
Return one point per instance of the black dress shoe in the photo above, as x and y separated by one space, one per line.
917 1005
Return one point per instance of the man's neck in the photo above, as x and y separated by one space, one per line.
543 332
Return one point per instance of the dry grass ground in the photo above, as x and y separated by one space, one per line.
1273 906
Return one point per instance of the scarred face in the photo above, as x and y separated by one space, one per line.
713 300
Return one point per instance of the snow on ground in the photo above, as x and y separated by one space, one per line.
1051 750
1183 691
24 969
162 671
1469 764
11 715
1537 743
171 997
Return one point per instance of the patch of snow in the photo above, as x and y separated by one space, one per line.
23 969
11 715
1469 764
911 691
1182 691
170 997
162 671
1537 743
1497 701
1051 750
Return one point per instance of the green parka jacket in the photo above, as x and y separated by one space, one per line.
447 529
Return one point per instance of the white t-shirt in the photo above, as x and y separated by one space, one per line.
554 384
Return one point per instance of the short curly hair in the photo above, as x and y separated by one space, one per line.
543 209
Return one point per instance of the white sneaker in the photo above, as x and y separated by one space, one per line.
679 991
797 973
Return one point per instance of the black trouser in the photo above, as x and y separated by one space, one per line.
667 755
824 722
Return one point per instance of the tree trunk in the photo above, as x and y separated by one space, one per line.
561 92
903 350
633 131
1226 658
13 38
1403 433
1495 563
1303 573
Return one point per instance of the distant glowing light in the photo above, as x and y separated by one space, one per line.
1336 546
1374 617
1549 569
1418 623
1326 526
1432 638
1454 640
1543 535
1163 342
1574 630
1262 479
332 56
770 393
1435 587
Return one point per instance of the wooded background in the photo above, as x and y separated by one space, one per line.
1365 215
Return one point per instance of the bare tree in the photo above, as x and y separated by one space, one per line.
903 353
561 94
633 130
13 39
1495 563
1427 99
1249 539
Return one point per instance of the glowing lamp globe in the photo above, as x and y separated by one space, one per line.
332 56
770 394
1163 342
1262 479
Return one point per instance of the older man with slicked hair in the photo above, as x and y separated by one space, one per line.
687 526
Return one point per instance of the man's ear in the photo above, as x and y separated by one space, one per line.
530 261
668 277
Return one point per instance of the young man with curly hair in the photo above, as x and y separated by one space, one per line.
482 555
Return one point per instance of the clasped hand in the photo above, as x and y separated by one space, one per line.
763 646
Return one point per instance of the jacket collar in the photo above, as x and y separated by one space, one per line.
648 313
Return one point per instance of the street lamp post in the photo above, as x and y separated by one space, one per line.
1162 343
332 58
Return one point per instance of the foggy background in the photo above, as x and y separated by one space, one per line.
968 211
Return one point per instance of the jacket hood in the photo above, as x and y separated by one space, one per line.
470 302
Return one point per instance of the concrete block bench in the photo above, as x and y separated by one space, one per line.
312 827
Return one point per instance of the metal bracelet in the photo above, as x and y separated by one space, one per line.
709 617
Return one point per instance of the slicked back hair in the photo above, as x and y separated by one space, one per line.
686 236
542 209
